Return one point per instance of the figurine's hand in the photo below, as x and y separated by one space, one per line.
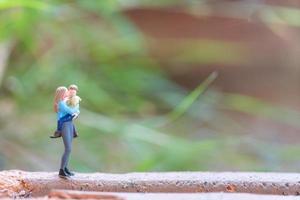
75 116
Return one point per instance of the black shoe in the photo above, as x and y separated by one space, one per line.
63 174
68 172
75 134
56 134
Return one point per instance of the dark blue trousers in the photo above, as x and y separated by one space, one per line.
62 120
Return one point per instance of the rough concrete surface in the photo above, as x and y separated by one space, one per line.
163 196
32 184
170 196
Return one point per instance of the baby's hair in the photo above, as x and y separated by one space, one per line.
73 87
73 101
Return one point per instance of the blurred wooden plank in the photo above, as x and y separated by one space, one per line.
169 23
288 3
251 56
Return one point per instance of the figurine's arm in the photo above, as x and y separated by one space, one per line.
77 109
75 115
63 107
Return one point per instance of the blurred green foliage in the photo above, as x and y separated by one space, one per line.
133 116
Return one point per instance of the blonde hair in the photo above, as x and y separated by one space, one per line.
74 87
73 101
59 95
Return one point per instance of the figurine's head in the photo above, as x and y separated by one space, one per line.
73 101
72 90
60 93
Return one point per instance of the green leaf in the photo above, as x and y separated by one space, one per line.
191 98
40 5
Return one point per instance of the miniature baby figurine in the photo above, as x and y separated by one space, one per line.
72 101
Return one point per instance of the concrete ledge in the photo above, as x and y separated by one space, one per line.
21 183
65 194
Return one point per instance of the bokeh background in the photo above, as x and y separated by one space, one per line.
167 85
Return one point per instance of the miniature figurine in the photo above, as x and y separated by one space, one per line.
73 101
66 127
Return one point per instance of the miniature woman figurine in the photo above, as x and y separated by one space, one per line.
67 130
